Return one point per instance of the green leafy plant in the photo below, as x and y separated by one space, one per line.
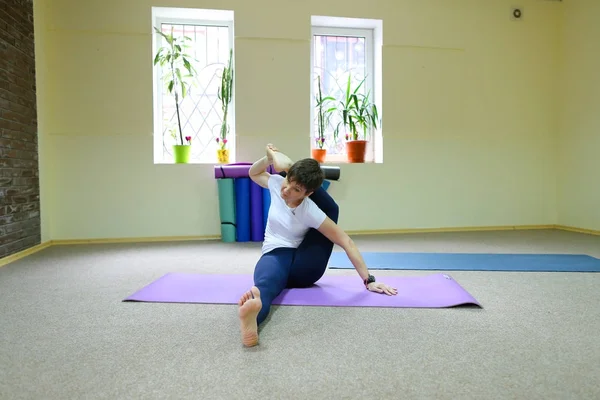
175 77
323 114
358 113
365 115
225 94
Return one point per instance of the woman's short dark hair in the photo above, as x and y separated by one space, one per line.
307 173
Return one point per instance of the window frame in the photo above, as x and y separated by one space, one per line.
369 35
158 152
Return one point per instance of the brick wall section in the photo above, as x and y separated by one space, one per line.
19 183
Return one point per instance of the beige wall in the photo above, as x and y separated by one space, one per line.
469 114
579 140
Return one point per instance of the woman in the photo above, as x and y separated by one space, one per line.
299 237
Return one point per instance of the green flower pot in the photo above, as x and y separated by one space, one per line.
181 153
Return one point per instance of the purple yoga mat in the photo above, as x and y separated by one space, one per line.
257 230
237 170
431 291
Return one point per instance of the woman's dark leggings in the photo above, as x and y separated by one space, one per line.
295 268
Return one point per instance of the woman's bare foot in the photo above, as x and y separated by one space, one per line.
250 304
280 161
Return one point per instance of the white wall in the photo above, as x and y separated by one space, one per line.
469 115
579 140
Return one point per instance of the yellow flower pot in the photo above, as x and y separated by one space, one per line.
223 156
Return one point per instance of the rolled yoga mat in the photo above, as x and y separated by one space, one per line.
332 173
433 291
242 209
240 170
471 262
329 172
226 191
237 170
257 232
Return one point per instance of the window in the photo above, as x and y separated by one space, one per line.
343 49
200 111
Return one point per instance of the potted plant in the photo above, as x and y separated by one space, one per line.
225 94
174 56
358 115
323 115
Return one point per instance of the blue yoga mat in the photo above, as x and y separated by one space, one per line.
242 209
257 231
471 262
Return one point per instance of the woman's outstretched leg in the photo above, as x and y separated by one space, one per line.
312 256
270 278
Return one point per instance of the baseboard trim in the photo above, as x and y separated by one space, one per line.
22 254
578 230
63 242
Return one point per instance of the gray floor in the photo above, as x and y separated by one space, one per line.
65 334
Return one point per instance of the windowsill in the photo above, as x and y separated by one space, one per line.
192 162
343 159
188 163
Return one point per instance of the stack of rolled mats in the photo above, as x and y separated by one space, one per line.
244 205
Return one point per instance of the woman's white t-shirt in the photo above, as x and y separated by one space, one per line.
286 226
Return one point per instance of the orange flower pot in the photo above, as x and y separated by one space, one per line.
356 150
319 155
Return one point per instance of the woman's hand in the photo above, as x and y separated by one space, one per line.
382 288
